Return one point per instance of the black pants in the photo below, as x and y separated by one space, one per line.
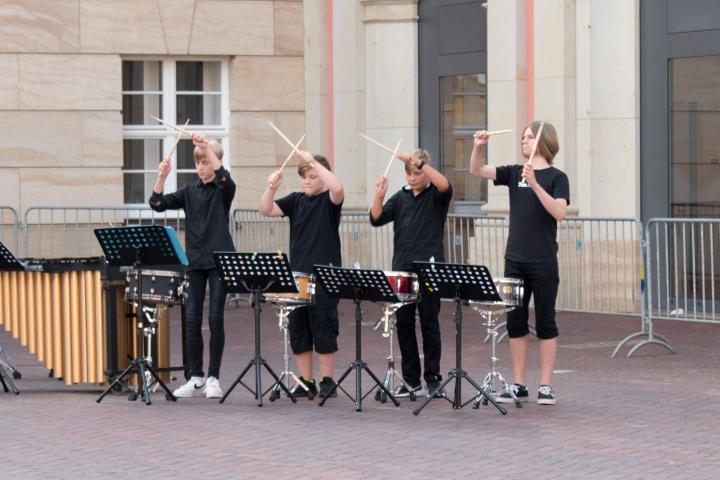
198 280
541 281
429 308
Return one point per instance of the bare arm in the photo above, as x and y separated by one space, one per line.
337 192
557 207
163 172
268 207
478 167
435 177
381 187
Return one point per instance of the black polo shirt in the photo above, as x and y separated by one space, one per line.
418 224
314 235
207 216
533 231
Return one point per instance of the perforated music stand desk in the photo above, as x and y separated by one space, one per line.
255 273
137 246
461 283
8 263
357 285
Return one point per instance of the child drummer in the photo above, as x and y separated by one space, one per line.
314 215
418 212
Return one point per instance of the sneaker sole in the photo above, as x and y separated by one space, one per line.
546 402
510 400
191 395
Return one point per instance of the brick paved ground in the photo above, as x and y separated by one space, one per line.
652 416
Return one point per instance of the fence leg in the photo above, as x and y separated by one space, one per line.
653 338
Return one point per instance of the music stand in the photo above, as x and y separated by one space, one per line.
461 283
138 246
8 371
255 273
357 285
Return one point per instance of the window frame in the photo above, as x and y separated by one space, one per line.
169 95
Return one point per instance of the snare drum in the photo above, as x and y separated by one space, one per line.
404 284
305 294
159 287
511 292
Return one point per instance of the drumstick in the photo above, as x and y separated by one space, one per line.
392 157
295 149
177 140
284 138
534 147
387 149
172 126
499 132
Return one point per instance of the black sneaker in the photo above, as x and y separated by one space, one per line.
298 391
327 384
520 391
435 387
403 392
546 396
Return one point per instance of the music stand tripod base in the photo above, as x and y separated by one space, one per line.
256 273
357 285
461 283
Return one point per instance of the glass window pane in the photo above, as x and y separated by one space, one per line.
141 76
198 76
695 116
138 108
201 109
137 187
463 111
142 154
185 159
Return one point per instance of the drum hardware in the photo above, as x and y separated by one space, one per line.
511 291
8 371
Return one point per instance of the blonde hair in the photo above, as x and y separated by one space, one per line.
303 167
548 144
199 153
421 155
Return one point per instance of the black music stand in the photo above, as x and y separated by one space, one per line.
138 246
357 285
461 283
8 371
256 273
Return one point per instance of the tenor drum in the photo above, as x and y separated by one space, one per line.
159 287
304 296
511 292
404 284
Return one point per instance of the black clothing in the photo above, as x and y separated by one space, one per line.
314 224
207 216
429 309
197 281
540 280
533 230
418 225
316 325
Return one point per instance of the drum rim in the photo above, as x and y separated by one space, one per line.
399 273
156 273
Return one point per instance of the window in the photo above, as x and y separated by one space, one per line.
175 91
464 111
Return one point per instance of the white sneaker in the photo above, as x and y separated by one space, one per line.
212 388
193 388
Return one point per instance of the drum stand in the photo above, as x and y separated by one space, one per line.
388 325
6 367
494 377
287 374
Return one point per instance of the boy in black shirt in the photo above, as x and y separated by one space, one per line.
418 212
539 196
314 217
206 202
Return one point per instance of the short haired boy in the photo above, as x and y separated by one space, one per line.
206 202
314 215
418 212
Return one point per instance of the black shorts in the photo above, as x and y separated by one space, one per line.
541 281
315 325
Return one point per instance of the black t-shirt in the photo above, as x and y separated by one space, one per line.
207 216
314 224
418 224
533 230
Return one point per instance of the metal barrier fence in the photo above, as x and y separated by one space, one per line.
53 232
9 229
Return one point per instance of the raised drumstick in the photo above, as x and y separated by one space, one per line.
392 157
375 142
500 132
181 130
534 148
284 138
177 140
295 149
